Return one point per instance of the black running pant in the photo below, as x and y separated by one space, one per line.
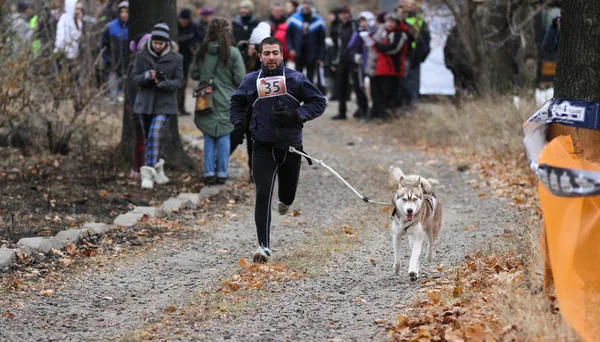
270 163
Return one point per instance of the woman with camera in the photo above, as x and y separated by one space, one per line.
158 74
220 69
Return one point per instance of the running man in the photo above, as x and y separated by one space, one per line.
282 100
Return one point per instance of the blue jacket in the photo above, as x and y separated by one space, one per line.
303 96
115 42
316 36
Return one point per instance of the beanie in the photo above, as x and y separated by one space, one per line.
123 4
262 31
161 32
185 13
248 4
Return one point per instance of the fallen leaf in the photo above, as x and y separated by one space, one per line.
66 261
8 315
381 321
457 292
107 298
103 193
243 263
295 213
170 309
372 261
47 293
360 300
57 252
434 296
72 249
347 230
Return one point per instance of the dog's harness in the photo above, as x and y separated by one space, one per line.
320 162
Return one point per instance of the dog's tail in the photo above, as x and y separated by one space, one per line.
395 175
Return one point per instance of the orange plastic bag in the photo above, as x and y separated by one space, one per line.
573 233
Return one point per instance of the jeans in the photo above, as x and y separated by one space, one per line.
216 153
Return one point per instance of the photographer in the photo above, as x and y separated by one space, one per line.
158 74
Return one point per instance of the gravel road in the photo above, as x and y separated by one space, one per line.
318 308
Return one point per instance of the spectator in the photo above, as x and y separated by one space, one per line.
358 47
550 44
20 27
158 74
109 12
139 146
221 64
305 39
189 41
458 62
390 66
291 7
114 44
44 28
69 30
419 48
245 22
278 24
331 51
206 15
347 68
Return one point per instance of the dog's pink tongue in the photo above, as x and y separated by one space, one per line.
409 217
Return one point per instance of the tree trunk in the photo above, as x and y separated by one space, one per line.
143 15
578 70
577 78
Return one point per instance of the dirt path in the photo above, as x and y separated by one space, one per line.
316 308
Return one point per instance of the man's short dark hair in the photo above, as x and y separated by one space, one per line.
270 41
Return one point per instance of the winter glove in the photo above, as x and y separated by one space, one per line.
237 137
555 22
286 118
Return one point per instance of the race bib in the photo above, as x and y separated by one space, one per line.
271 86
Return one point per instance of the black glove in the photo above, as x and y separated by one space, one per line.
237 137
285 118
555 22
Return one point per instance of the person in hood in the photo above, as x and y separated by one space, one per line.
245 22
389 70
69 30
347 68
189 41
114 43
221 64
282 101
305 39
158 74
278 23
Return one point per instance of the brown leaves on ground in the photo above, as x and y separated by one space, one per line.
457 308
257 276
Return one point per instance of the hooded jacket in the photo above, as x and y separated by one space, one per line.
68 31
115 42
316 36
161 98
392 51
243 27
225 82
303 97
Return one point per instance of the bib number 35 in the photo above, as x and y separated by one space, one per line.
271 86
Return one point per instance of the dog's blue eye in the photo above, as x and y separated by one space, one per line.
404 200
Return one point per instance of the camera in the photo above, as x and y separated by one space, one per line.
160 76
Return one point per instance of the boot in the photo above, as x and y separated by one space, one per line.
148 176
160 172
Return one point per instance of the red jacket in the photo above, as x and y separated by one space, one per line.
392 51
278 31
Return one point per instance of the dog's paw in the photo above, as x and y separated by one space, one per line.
413 276
396 268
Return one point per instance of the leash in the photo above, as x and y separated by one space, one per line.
320 162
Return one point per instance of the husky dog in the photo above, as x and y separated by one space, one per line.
418 214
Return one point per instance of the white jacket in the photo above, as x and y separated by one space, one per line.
67 33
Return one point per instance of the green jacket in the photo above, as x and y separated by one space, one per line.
226 80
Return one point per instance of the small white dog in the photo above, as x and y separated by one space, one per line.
418 214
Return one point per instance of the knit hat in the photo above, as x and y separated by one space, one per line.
136 44
185 13
262 31
161 32
248 4
207 11
123 4
381 16
392 16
